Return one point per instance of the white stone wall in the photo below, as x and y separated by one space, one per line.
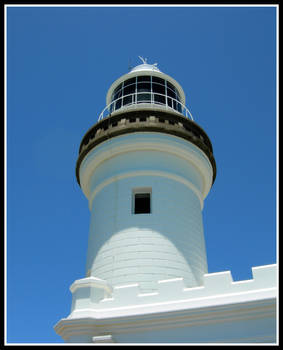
127 248
169 242
218 289
220 311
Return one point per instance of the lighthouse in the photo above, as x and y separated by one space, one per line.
145 168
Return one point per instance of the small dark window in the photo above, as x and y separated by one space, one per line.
142 203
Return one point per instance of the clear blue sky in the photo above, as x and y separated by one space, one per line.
60 63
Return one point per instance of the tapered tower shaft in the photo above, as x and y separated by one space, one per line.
146 169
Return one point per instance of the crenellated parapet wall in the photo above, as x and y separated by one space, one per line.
96 298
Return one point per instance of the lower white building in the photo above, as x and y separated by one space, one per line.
220 311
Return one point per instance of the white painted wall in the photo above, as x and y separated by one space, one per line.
169 242
220 311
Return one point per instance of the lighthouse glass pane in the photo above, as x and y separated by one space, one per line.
144 78
143 87
117 91
143 98
117 88
127 100
158 88
171 93
129 89
129 81
117 94
118 103
146 89
158 80
170 86
159 99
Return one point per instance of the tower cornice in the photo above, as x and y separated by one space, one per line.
145 121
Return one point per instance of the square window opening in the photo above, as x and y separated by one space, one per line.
142 202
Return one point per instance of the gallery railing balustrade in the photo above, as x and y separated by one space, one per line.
169 103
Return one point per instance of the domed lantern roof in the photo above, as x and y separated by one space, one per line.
145 66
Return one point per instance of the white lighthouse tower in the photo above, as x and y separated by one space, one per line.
145 168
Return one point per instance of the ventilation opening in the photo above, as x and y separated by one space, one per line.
141 203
